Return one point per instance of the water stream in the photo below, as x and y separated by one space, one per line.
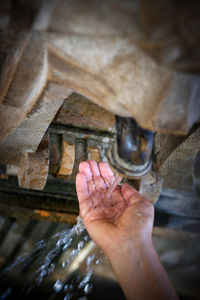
46 255
47 252
115 183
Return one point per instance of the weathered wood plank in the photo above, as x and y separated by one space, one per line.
58 203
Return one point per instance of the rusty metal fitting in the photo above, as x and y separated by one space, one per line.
130 154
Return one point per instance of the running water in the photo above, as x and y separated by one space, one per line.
115 183
47 260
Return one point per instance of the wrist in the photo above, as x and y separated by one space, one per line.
128 247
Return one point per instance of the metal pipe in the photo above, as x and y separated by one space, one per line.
131 153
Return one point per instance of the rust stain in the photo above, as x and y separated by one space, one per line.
4 176
42 213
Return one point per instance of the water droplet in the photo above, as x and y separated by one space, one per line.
68 287
80 245
58 285
85 279
58 243
43 274
98 261
88 288
139 215
73 253
90 259
40 245
67 244
51 268
86 238
68 297
63 264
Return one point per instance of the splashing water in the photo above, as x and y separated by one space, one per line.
58 285
84 283
47 259
64 240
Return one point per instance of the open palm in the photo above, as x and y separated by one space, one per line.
112 218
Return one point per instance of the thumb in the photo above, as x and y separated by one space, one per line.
130 194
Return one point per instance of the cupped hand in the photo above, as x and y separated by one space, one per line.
111 221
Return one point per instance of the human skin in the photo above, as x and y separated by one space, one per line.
121 225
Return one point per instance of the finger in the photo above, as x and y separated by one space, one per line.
85 203
98 180
82 187
129 193
84 168
106 173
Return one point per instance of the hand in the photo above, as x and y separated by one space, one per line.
125 216
121 225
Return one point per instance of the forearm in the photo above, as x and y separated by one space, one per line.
140 272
